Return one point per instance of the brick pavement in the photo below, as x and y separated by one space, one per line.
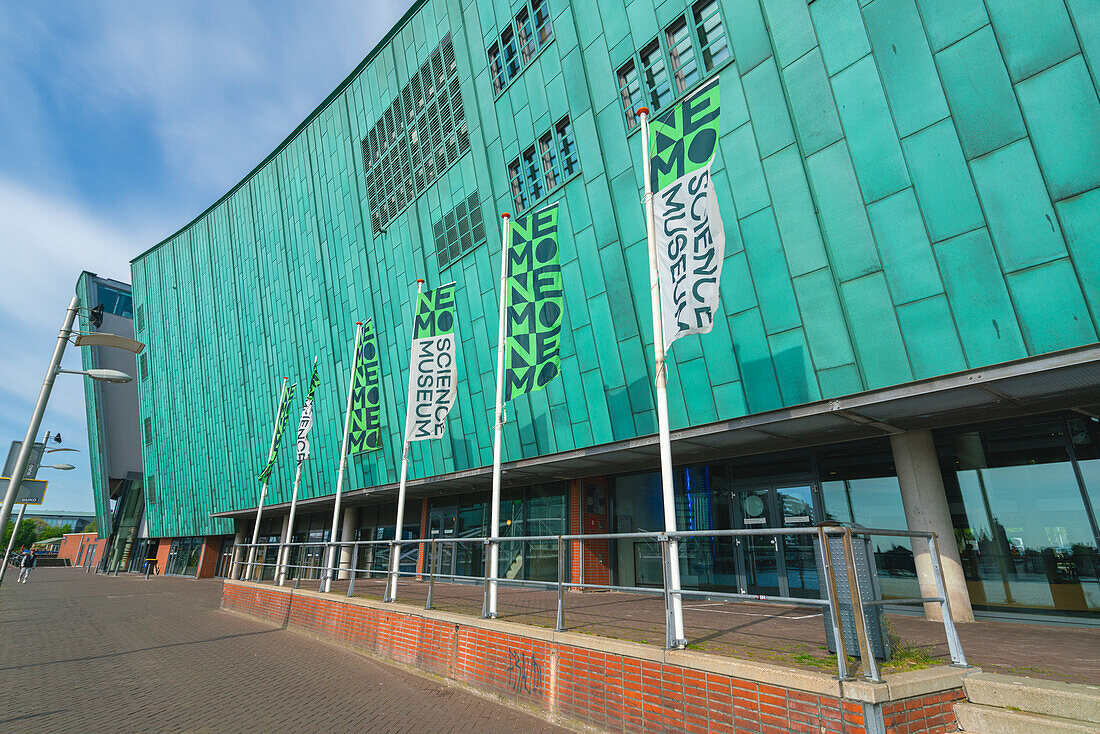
122 654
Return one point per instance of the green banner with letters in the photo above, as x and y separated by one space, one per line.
280 424
365 427
687 226
533 303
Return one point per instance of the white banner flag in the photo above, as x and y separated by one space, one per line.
691 241
305 423
432 367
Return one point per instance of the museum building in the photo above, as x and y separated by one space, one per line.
910 298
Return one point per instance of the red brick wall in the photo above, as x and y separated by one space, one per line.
73 543
607 690
584 493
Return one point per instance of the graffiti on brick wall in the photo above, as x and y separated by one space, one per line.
524 673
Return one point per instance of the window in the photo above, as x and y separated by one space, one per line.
143 361
147 424
417 138
570 163
712 38
141 317
533 173
548 151
689 48
459 230
115 301
544 166
519 43
150 489
519 194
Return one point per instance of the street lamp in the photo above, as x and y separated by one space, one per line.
103 375
44 396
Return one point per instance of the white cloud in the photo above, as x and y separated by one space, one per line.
208 88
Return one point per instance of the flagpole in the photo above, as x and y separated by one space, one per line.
661 384
395 556
498 428
331 562
284 552
263 491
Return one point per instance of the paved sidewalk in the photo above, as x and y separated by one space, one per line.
122 654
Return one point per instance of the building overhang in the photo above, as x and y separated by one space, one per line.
1058 381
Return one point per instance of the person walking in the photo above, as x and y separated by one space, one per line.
26 563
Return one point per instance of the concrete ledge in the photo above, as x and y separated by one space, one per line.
1047 697
896 686
993 720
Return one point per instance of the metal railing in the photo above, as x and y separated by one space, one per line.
251 560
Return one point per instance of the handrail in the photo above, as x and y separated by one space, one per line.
257 553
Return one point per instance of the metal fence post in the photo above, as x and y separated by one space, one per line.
953 643
354 569
670 636
488 561
580 564
431 574
834 606
865 650
561 586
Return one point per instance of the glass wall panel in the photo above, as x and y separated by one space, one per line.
638 509
1026 536
859 485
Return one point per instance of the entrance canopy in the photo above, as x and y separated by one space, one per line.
1066 380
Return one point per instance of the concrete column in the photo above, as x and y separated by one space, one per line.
235 573
925 503
347 533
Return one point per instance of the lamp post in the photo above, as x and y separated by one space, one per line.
40 408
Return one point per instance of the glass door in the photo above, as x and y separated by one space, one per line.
796 510
782 565
759 562
441 526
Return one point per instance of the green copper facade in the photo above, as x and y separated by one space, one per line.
909 188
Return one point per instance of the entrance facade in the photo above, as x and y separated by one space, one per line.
784 565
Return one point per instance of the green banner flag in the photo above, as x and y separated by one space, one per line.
280 424
533 305
433 372
691 240
305 422
365 428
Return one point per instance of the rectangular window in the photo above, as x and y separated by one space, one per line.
511 56
519 42
141 317
712 36
655 75
631 92
542 22
685 70
570 161
548 149
528 45
515 178
533 174
689 47
144 360
147 424
150 490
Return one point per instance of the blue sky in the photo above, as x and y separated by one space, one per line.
119 122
